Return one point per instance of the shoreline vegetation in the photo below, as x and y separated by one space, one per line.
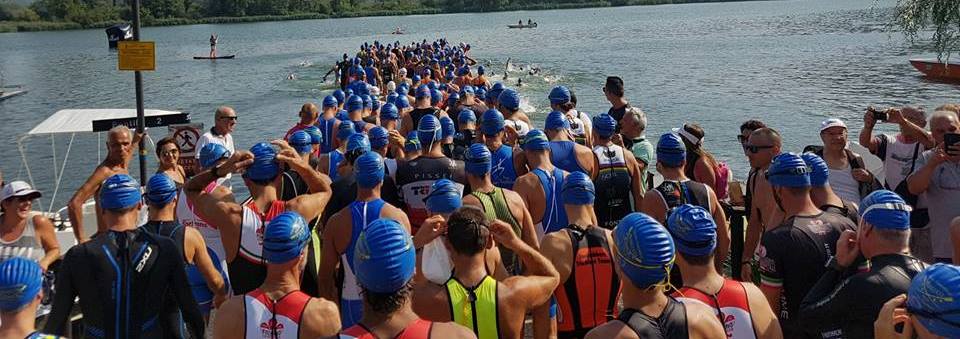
54 15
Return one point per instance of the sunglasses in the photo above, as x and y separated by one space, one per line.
755 149
742 139
169 152
233 118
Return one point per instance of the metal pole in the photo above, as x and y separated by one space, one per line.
141 123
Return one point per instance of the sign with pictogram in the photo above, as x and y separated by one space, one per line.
186 136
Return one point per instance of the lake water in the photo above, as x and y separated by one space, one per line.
790 63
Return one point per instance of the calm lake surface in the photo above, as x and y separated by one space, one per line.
790 63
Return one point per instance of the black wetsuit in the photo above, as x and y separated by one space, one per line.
174 231
671 324
617 113
418 113
848 210
345 192
792 257
845 304
122 279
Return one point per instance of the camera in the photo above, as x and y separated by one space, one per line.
878 115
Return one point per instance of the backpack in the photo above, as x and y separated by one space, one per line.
723 180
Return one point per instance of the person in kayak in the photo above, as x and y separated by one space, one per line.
342 231
491 308
26 236
589 287
21 279
564 152
241 225
508 161
277 308
540 188
205 273
741 307
385 259
123 276
619 175
645 254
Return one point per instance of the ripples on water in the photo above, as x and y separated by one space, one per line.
790 63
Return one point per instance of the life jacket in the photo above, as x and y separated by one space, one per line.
475 307
614 186
554 216
418 329
276 319
730 305
495 207
362 213
588 298
248 270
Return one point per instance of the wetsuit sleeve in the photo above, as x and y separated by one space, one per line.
63 299
181 289
770 255
824 307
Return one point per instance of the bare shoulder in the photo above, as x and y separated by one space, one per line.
324 318
450 330
612 329
469 199
41 222
554 244
511 196
702 322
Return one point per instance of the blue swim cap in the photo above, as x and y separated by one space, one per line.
556 121
509 99
497 86
265 166
645 250
491 122
444 197
384 259
885 210
447 128
452 100
330 101
604 124
315 136
423 92
403 89
536 140
389 112
301 141
578 189
416 78
342 115
340 95
933 297
345 130
467 115
493 94
379 137
161 190
367 101
412 144
354 103
392 98
477 160
693 230
402 102
20 281
375 105
118 192
464 70
348 92
435 97
480 92
450 75
480 70
369 170
819 172
285 238
559 95
466 90
358 142
670 150
211 153
428 130
788 170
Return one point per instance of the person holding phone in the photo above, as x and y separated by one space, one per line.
937 176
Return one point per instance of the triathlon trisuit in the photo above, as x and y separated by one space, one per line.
848 210
27 245
122 280
418 329
577 129
198 285
475 307
390 166
554 216
38 335
563 154
613 185
418 113
328 132
730 305
495 207
388 71
333 161
502 172
792 256
248 269
275 319
414 178
671 324
588 298
676 193
187 216
371 75
351 303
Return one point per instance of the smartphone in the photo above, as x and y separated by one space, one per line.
950 139
878 115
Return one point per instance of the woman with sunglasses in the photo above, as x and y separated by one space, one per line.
23 233
168 153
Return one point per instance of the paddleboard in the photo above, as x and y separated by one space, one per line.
8 95
219 57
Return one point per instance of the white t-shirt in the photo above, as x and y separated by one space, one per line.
941 200
843 183
898 158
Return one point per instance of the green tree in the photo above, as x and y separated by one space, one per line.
916 17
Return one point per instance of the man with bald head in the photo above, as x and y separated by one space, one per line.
762 212
937 177
308 117
120 143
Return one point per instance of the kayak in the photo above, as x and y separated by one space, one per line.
209 58
937 69
534 25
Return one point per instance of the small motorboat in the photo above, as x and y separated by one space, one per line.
938 69
531 25
117 33
10 94
231 56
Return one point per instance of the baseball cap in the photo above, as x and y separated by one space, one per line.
18 189
832 122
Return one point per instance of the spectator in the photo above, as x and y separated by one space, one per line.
937 176
899 153
632 137
701 165
26 234
225 121
168 154
613 90
848 176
